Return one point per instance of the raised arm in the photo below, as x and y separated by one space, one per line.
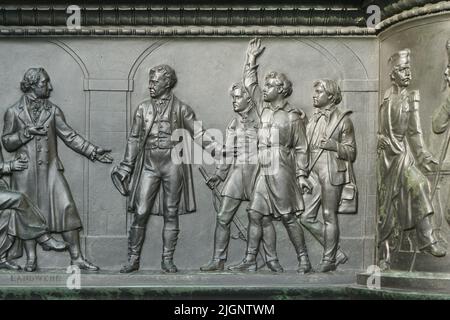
250 76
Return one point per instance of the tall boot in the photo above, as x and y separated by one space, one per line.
73 238
135 241
254 235
297 237
170 238
426 239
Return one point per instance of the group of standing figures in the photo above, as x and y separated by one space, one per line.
299 167
287 168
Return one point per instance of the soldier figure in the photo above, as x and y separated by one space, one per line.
331 160
403 190
149 170
283 162
239 178
31 128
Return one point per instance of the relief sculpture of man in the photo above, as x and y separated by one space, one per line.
441 118
283 162
238 180
332 147
156 184
20 219
31 128
403 190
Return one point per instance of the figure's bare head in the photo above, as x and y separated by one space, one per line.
326 92
37 82
162 79
241 98
276 85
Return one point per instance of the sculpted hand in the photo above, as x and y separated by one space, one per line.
19 164
383 142
213 181
254 48
103 155
305 185
330 144
37 131
429 163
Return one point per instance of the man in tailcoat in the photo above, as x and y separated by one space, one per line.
31 128
156 180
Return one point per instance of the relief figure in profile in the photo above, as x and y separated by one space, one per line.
20 219
441 120
282 159
238 180
403 190
31 128
332 146
156 184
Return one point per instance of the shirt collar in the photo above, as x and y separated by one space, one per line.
326 111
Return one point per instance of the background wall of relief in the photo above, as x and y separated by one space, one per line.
99 82
426 37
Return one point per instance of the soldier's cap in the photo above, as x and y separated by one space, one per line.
399 58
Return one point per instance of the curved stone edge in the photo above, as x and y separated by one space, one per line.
415 12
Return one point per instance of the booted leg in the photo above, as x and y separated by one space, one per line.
269 241
427 240
48 243
73 238
170 238
254 238
222 234
297 238
135 241
30 250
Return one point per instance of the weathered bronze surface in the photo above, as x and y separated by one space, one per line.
334 155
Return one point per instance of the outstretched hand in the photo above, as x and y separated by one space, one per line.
103 155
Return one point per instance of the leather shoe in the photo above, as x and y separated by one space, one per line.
30 266
304 266
9 265
84 264
326 266
133 265
436 250
168 266
244 265
214 265
274 266
341 258
53 244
